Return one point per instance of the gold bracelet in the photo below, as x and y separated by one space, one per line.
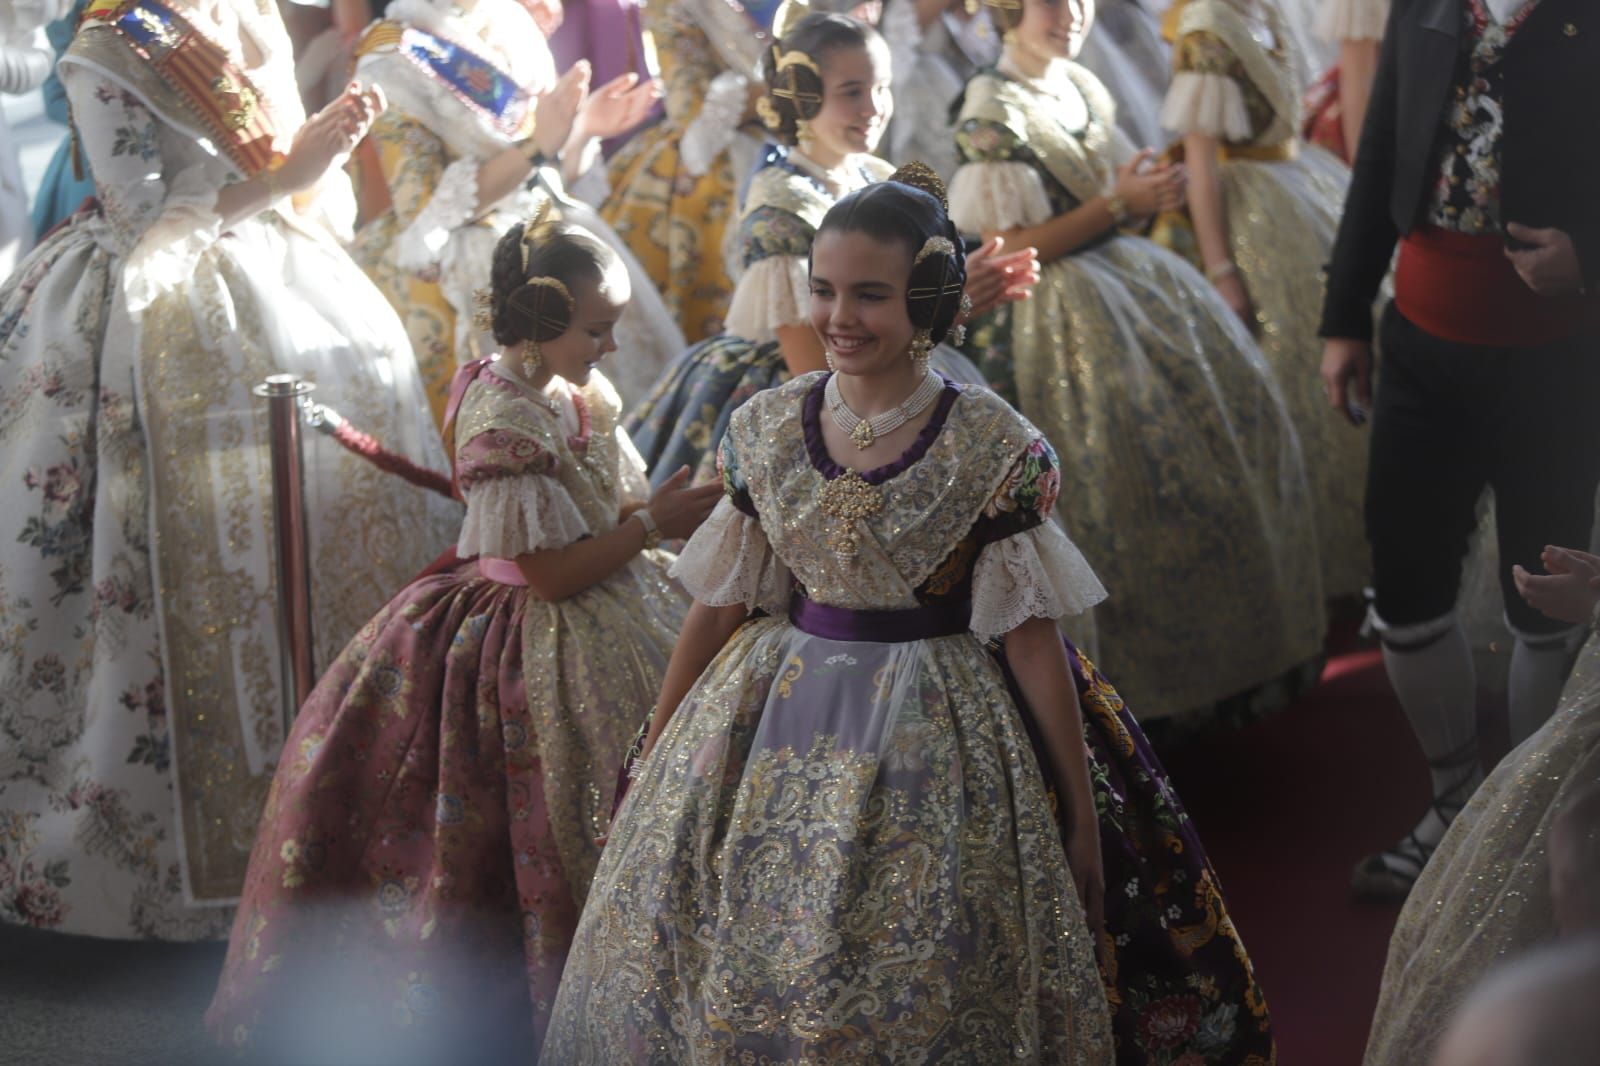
1118 207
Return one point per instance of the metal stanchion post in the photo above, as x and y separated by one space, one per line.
283 393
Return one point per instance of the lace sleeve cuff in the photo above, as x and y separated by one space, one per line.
1209 104
454 202
729 561
165 257
996 197
772 293
1035 574
510 516
1352 20
710 132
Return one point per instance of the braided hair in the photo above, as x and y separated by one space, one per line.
531 282
909 209
791 67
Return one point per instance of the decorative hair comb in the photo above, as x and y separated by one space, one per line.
935 246
922 176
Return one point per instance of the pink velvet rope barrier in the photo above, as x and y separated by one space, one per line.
330 422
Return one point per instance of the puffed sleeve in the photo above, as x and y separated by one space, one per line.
1205 96
997 187
515 504
431 195
1352 20
728 560
1028 568
774 290
162 217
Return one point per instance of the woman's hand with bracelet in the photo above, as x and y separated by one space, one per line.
1224 277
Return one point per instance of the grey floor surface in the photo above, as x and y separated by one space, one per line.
78 1001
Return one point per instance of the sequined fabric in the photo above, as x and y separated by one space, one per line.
1183 477
431 832
840 851
1485 894
1281 218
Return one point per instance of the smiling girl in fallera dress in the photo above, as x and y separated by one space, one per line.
839 844
826 106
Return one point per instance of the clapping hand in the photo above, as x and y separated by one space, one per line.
1568 591
618 106
1148 187
329 136
995 277
557 110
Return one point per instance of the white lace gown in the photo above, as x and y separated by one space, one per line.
455 238
140 714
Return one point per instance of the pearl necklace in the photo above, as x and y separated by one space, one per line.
864 431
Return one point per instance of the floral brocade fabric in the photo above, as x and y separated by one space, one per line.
1281 216
432 828
842 851
1180 983
685 416
1180 459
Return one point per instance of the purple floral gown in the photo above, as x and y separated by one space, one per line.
431 831
843 849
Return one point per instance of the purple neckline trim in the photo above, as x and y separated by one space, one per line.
811 423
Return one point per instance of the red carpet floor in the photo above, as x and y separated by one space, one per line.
1285 808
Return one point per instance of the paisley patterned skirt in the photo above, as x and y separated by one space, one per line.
837 852
1282 219
1182 467
674 222
430 833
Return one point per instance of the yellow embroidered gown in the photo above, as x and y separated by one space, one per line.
433 247
1184 470
675 186
1236 81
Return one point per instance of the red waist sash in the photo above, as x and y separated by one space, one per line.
1461 287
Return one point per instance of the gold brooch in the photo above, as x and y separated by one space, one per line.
848 499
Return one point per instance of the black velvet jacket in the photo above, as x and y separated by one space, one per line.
1550 148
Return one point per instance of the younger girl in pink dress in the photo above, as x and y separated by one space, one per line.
431 831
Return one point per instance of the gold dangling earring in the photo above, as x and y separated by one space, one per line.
532 360
921 348
827 355
802 132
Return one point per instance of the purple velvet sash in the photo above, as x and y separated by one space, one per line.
880 627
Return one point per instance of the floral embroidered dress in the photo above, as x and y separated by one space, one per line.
461 88
684 417
841 849
140 707
428 843
1187 481
1484 896
674 186
1237 81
